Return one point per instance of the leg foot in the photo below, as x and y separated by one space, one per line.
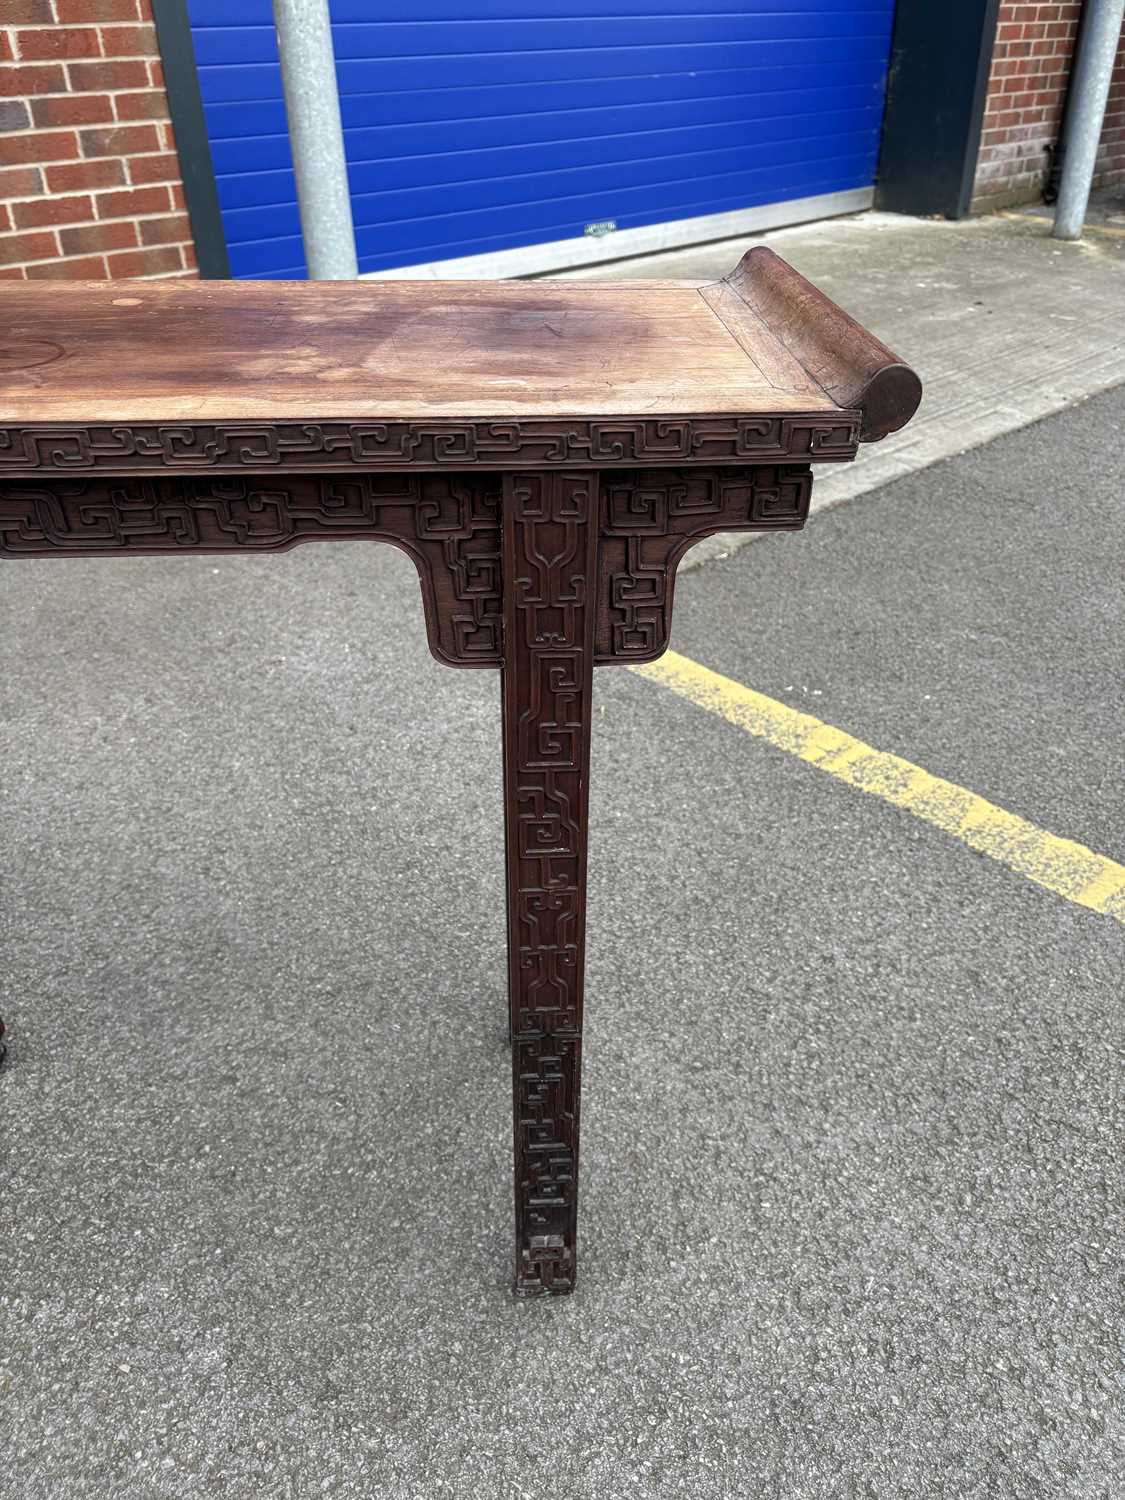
545 1078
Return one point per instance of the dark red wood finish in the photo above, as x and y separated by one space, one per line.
550 524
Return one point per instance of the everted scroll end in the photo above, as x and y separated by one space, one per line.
851 365
888 401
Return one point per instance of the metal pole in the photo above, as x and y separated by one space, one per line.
1097 49
312 102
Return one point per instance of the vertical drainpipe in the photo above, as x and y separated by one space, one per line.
1093 66
312 103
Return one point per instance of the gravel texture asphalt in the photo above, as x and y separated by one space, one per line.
851 1191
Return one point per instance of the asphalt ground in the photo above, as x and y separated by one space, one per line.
850 1202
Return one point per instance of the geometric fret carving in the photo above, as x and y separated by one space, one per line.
549 550
541 443
650 519
545 1101
545 545
448 523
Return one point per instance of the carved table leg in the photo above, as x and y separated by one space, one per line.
549 547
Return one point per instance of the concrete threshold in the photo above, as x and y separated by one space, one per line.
1004 325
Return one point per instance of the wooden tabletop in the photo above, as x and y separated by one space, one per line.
185 350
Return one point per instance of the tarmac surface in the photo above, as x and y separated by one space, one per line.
850 1209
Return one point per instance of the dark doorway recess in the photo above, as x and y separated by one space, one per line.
940 58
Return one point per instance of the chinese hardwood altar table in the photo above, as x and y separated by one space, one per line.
546 452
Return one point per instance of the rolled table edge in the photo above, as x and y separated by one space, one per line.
849 364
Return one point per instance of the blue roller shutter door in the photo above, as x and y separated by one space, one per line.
471 136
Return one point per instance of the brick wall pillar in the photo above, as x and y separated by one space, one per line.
89 178
1023 112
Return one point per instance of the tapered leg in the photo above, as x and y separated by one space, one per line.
549 546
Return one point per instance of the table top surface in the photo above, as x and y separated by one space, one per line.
185 350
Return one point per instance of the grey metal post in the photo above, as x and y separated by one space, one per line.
312 103
1101 30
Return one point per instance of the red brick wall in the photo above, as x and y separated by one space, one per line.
1111 151
1023 113
89 179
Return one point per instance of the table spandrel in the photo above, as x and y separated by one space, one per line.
545 452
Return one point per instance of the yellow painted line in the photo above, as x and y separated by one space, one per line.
1060 865
1045 219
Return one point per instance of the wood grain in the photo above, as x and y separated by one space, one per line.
184 351
849 364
